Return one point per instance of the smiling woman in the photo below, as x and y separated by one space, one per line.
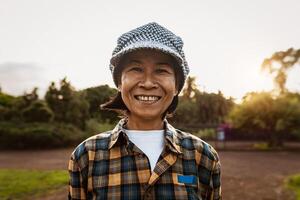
144 157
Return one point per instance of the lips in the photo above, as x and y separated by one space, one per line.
147 98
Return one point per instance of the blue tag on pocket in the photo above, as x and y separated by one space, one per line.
187 179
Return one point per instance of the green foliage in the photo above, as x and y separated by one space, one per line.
94 126
77 110
68 105
190 88
264 113
212 107
6 100
38 111
3 112
186 112
54 100
18 184
11 107
38 135
261 146
293 183
26 100
97 96
23 119
208 133
196 108
31 97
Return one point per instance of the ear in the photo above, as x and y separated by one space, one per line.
176 92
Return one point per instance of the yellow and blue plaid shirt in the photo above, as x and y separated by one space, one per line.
110 166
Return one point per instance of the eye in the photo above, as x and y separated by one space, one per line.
135 69
162 71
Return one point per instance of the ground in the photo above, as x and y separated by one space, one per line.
245 174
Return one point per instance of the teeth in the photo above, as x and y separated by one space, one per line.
147 98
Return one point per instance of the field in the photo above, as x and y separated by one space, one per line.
245 175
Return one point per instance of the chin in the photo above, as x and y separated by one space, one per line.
149 116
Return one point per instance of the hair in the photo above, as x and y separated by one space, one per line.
117 104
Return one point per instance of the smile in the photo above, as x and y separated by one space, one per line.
147 98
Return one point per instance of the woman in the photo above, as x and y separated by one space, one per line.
144 157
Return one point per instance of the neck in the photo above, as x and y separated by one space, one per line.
144 124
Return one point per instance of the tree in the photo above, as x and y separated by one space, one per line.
213 107
38 111
26 99
190 88
11 107
97 96
6 99
54 100
68 105
185 114
77 111
58 99
279 63
6 103
275 116
198 109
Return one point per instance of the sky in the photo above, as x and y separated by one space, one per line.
225 42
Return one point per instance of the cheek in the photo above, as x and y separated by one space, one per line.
170 85
175 86
124 82
127 83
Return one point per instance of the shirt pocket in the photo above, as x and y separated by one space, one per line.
186 187
185 180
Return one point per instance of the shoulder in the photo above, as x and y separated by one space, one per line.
97 142
190 142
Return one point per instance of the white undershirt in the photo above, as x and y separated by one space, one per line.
150 142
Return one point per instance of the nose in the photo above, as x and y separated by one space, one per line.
148 82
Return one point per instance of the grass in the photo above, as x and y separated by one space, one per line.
261 146
19 184
293 183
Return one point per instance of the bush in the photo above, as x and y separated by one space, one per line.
6 100
293 183
93 127
38 135
38 111
274 116
208 133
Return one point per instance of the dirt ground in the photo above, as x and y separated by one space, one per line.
245 175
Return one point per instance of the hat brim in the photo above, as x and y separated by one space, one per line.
145 45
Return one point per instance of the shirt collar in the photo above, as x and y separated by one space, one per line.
171 136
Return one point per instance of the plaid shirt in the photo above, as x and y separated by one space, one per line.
110 166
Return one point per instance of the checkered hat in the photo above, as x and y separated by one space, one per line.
150 36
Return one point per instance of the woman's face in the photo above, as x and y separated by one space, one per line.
147 84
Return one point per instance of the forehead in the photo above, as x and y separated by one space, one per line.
148 55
